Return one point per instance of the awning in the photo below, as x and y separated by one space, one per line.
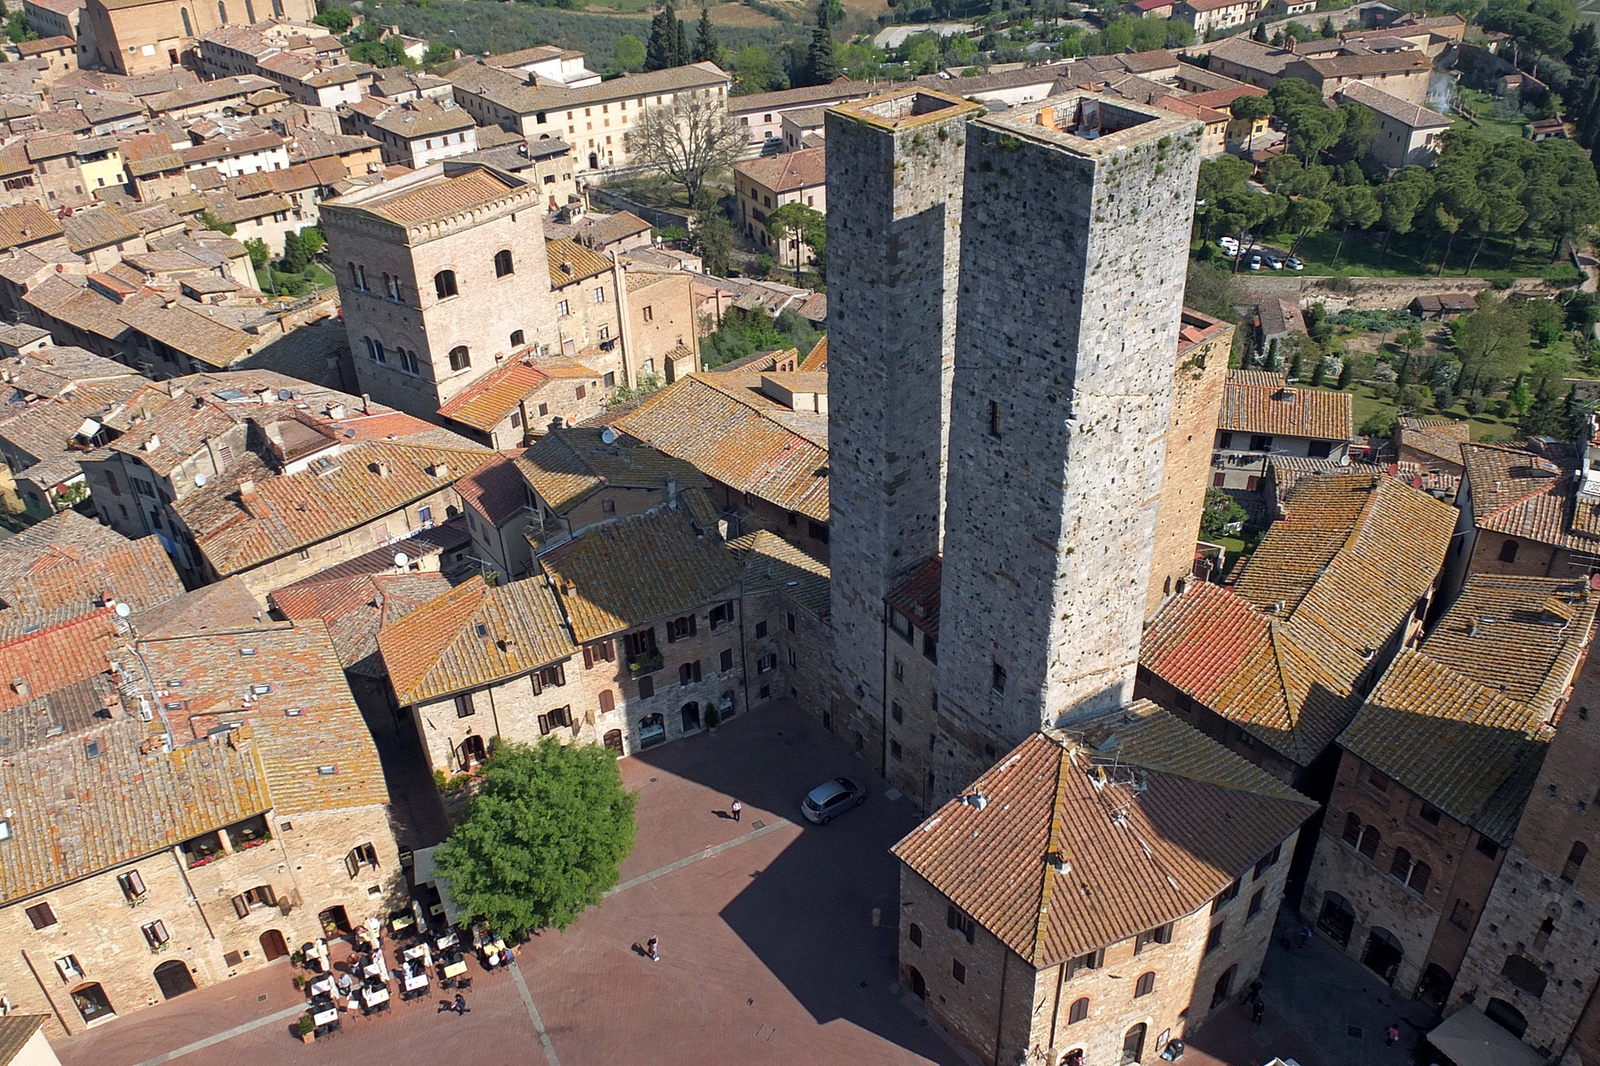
422 874
1467 1038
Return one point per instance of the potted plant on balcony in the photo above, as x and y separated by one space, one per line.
305 1029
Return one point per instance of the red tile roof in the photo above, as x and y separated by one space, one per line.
788 171
1091 835
487 402
917 596
355 609
496 489
1252 405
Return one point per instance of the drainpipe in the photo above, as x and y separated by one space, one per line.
883 703
1000 1020
624 333
177 860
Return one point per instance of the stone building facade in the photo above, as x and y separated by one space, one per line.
142 36
1532 965
1199 376
894 236
442 273
1058 414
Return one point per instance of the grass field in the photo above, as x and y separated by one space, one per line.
1486 121
1363 256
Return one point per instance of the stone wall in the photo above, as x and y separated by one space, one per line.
913 722
1072 281
894 232
97 925
1361 294
1198 380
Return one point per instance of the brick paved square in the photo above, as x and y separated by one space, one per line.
768 950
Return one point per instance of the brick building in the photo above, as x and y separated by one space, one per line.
1277 664
1264 416
442 273
1434 773
1198 380
1077 899
237 810
142 36
768 183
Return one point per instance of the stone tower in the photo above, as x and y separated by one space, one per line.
895 166
1074 246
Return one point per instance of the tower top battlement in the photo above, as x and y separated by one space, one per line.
908 108
1088 124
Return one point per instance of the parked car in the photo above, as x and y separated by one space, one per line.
1255 262
1274 262
1294 263
1229 245
831 798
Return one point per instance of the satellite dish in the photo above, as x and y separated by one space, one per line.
123 610
608 436
402 560
200 480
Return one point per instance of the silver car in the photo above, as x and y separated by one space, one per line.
832 798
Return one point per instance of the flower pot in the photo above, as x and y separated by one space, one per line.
308 1038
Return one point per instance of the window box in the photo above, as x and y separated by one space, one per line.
648 663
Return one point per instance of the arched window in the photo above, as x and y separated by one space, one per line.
1364 838
444 283
1224 986
1414 875
1079 1011
188 26
222 12
502 263
1508 552
355 279
459 359
1400 868
1145 985
1420 872
250 11
517 340
1575 858
914 932
1352 829
1133 1043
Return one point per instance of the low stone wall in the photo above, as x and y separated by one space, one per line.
656 216
1364 294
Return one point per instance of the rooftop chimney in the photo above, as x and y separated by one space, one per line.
383 468
20 687
247 489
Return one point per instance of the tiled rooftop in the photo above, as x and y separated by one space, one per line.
639 570
567 466
917 595
474 636
486 403
356 608
69 565
1193 817
496 489
1523 494
773 564
1255 402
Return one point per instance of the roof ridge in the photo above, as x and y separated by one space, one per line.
1047 881
1290 711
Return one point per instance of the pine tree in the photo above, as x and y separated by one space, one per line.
662 50
706 47
821 66
682 53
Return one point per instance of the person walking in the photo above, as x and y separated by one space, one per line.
1392 1036
1257 1009
461 1003
737 809
653 947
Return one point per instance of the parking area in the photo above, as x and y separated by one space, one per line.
768 951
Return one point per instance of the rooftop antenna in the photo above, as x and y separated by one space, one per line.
608 436
401 560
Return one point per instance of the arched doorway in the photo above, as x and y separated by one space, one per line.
1133 1043
652 730
273 945
594 161
613 740
174 979
1337 919
1224 987
691 716
919 987
334 921
1435 985
1506 1017
1382 954
92 1003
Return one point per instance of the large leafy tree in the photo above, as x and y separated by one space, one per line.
805 224
686 139
541 842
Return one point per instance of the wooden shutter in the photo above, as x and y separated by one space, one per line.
588 655
241 906
691 625
608 702
544 725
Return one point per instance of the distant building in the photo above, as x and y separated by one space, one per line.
1208 16
1406 134
139 36
765 184
1263 415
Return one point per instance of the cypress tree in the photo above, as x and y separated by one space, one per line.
821 66
682 53
706 48
661 51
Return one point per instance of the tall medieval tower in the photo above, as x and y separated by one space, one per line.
1073 256
895 166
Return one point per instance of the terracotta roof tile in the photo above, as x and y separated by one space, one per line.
787 171
638 570
442 196
1525 495
565 253
1152 819
58 574
773 564
356 608
567 466
732 438
1253 405
496 489
487 402
474 636
917 596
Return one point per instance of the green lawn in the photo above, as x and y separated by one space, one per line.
1366 401
1363 256
1482 106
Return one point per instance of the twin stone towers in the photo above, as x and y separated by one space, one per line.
1004 300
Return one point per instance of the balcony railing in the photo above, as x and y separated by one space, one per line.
647 663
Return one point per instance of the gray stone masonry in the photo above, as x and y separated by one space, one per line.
894 225
1072 275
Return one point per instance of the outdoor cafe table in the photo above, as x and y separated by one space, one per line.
377 967
452 965
373 995
322 986
323 1011
449 940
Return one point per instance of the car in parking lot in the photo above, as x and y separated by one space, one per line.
831 798
1294 263
1274 262
1255 262
1229 245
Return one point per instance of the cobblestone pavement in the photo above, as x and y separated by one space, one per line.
768 949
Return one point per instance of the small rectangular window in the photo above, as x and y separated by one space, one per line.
647 687
464 708
1255 904
997 678
958 971
726 661
1269 860
761 629
67 966
155 933
41 915
1214 939
132 885
994 419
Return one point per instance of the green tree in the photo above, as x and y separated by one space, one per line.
712 235
922 53
1360 126
662 51
212 222
294 254
438 53
821 66
259 252
1352 205
335 20
1221 511
1491 342
312 240
1347 372
542 841
806 224
706 47
1251 109
753 69
628 56
1209 290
